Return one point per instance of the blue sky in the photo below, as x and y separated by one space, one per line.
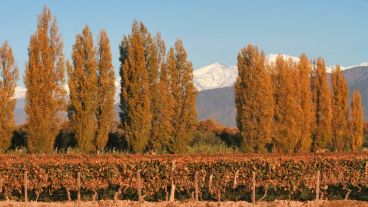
212 30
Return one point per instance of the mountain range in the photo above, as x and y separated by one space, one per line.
215 98
218 102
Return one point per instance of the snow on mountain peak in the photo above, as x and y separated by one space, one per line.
209 68
212 76
331 68
271 58
365 64
218 75
215 75
20 92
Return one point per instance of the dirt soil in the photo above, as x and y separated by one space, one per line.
277 203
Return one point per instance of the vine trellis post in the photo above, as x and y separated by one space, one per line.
139 186
172 191
196 188
318 184
253 188
79 188
26 186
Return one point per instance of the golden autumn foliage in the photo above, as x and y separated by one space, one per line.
356 122
135 101
322 108
162 110
210 125
161 136
304 96
166 82
253 100
105 113
170 70
44 79
287 107
184 95
83 91
8 79
152 65
161 98
340 109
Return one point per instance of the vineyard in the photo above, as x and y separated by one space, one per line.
177 177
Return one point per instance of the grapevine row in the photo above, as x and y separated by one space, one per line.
159 172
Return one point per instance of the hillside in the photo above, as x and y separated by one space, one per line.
219 103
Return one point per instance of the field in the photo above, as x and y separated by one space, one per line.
190 204
241 178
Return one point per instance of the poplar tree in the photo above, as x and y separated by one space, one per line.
105 113
356 123
184 94
253 100
83 91
340 109
8 79
322 108
287 108
162 128
304 97
152 65
44 80
135 100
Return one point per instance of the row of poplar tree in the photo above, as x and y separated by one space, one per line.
157 98
289 106
286 106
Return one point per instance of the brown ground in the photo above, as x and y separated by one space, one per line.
276 203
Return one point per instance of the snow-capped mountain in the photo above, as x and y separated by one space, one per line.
329 69
208 77
20 91
20 94
214 76
218 75
271 58
218 103
365 64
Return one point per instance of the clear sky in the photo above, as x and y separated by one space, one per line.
212 30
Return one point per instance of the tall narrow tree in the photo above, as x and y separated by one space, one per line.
322 108
44 79
304 97
162 128
253 100
135 102
152 65
184 94
356 123
340 109
8 81
287 108
106 91
83 91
